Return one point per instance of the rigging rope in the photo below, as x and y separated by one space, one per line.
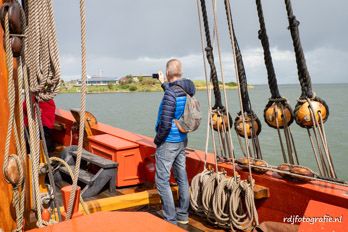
246 115
277 113
66 165
310 111
246 185
209 194
42 50
12 160
200 179
272 80
303 73
82 109
228 135
210 58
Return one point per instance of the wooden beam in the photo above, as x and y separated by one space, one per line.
149 197
261 192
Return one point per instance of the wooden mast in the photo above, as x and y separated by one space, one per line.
7 212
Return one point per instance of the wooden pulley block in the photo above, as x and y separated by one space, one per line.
220 121
13 9
300 170
16 44
286 168
260 163
11 171
252 125
244 162
280 112
303 114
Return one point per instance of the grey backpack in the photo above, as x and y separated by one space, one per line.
191 118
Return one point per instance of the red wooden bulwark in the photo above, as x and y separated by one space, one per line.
113 222
323 217
286 198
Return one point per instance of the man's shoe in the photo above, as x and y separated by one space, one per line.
184 222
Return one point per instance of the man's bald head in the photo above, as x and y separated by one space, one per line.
174 70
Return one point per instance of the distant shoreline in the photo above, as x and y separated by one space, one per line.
91 90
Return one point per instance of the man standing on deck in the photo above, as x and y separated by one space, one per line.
171 143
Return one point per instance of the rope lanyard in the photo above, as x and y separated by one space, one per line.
228 135
83 107
237 73
211 191
311 112
278 107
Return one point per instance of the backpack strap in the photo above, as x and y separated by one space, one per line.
182 89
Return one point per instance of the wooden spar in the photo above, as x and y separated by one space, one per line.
7 212
7 222
148 197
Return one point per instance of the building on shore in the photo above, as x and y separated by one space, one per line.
99 81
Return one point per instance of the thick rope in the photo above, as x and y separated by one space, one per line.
82 109
220 199
42 50
243 85
272 80
210 58
303 74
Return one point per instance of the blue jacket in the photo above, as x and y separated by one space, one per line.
172 107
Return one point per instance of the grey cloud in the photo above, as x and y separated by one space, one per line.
138 36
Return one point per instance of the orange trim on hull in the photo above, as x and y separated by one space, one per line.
286 197
113 222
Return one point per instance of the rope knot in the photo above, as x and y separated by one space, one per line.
280 99
260 34
293 22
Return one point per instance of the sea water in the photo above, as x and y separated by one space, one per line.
136 112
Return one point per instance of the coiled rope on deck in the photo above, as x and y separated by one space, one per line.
211 190
244 221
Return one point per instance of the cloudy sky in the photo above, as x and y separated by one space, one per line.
138 36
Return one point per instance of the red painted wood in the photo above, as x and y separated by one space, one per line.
113 142
324 212
125 153
286 197
114 222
